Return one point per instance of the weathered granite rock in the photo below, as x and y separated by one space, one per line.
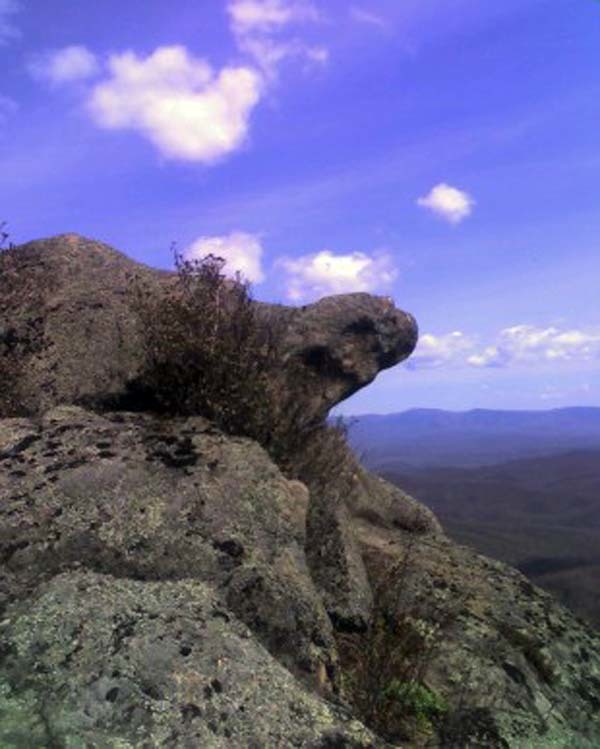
72 314
332 548
162 500
516 669
162 584
65 306
121 533
96 661
344 341
336 564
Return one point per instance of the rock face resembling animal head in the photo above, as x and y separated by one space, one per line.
344 341
72 315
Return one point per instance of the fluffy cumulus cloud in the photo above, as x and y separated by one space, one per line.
178 102
73 63
312 276
448 202
531 344
242 254
440 350
8 30
260 27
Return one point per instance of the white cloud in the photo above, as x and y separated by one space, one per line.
438 351
448 202
268 53
323 273
490 356
367 17
178 102
8 31
258 27
73 63
519 345
532 344
249 16
242 253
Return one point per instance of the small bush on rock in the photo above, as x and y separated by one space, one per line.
416 700
387 666
11 353
205 351
209 352
11 373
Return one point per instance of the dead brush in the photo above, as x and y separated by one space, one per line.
386 667
209 352
12 348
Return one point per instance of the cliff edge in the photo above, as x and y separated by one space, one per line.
164 584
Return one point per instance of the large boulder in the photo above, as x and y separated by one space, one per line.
133 496
333 552
67 306
96 661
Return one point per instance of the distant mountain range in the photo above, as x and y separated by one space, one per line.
540 512
431 437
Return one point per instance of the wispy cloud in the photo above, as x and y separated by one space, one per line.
249 16
519 345
8 107
361 15
242 253
558 393
435 351
449 202
187 110
66 65
531 344
260 28
8 31
315 275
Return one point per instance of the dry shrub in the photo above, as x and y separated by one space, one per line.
321 455
386 667
11 376
208 352
205 351
12 349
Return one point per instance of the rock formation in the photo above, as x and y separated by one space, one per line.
165 585
67 301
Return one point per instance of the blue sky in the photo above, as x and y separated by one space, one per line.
443 152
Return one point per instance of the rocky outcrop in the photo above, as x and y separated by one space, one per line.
333 553
517 669
66 305
98 661
135 497
162 584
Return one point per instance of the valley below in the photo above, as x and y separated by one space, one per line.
540 513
